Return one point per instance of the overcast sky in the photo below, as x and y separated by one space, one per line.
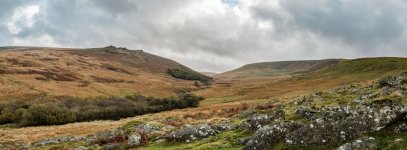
213 35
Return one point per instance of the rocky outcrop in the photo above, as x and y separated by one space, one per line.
190 133
393 81
259 120
268 135
346 123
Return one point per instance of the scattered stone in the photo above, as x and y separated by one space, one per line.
392 81
243 140
191 133
398 127
365 143
79 148
160 141
222 127
134 139
114 146
147 127
257 121
307 113
57 140
106 137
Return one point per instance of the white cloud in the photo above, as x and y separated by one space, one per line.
23 17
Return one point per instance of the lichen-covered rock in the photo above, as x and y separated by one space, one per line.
307 113
223 127
398 127
191 133
392 81
146 127
259 120
243 140
56 140
134 139
79 148
113 146
268 135
347 123
365 143
106 137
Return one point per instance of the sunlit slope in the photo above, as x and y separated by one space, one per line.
27 71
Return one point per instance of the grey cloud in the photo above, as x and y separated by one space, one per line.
364 23
218 36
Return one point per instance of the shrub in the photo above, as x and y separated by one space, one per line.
44 115
51 111
188 75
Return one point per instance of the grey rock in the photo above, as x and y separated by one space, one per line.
268 135
259 120
79 148
243 140
56 140
134 139
106 137
392 81
114 146
147 127
223 127
365 143
346 123
307 113
245 114
191 133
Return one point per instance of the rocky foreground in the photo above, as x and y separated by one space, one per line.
372 116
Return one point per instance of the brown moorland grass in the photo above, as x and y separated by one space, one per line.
85 73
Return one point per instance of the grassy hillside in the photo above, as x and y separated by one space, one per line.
36 71
273 69
334 74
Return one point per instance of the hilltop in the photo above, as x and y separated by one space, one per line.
38 71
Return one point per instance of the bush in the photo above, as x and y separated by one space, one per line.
43 114
188 75
69 109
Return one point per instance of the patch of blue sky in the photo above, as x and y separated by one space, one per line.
230 2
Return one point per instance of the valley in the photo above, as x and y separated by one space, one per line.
239 106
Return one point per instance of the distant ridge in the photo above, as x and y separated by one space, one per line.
278 68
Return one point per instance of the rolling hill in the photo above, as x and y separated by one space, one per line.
264 80
29 71
275 69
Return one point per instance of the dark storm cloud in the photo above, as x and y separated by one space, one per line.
214 35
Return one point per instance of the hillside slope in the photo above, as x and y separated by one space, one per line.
279 68
317 78
27 71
